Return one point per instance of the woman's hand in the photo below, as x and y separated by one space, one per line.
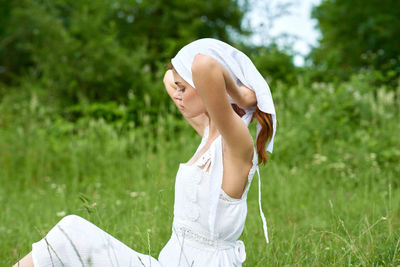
247 97
243 96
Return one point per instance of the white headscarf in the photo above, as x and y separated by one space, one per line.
243 71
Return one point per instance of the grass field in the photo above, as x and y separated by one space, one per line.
331 192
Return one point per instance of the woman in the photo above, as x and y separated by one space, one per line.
218 90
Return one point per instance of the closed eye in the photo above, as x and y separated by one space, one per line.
180 89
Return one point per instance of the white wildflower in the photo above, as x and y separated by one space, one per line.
61 213
338 165
61 188
318 159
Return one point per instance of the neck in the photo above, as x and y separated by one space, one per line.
213 131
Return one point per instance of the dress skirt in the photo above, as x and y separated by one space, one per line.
76 242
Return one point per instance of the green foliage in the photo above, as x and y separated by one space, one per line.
331 192
114 51
89 58
358 34
99 50
273 63
86 126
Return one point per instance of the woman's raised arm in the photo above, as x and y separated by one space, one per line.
212 82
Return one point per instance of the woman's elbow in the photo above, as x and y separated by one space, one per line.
203 64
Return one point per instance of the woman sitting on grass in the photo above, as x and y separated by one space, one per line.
219 91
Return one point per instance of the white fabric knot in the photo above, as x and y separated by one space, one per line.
240 251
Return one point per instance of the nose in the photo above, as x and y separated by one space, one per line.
177 95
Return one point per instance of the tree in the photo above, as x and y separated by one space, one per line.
358 34
101 49
273 63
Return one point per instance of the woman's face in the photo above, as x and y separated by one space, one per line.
189 101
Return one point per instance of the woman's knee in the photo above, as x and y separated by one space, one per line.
70 219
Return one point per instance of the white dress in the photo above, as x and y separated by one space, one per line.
77 242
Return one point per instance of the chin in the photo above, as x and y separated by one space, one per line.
190 116
194 114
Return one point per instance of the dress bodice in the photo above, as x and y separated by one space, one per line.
192 199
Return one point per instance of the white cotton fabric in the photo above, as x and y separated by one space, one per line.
77 242
191 212
243 71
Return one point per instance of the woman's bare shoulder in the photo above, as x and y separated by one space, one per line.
208 77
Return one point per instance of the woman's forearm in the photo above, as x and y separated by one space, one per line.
241 95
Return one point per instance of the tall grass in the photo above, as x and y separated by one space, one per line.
330 193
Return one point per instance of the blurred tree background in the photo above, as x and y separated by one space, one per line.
358 35
100 51
106 53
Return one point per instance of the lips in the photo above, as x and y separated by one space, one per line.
180 107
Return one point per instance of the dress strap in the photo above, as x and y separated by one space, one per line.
261 211
203 139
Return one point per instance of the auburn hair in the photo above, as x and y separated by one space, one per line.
265 120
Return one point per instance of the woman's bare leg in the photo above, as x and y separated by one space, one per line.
25 261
